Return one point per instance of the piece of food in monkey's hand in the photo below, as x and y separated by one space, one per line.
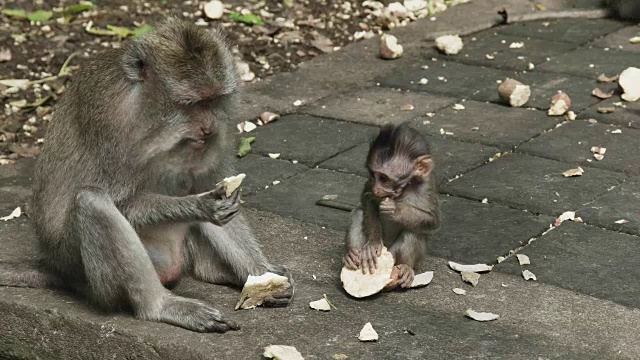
480 316
470 277
322 305
470 268
360 285
449 44
258 288
389 47
232 183
423 279
282 352
514 93
560 104
368 333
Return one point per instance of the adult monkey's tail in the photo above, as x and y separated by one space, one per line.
28 275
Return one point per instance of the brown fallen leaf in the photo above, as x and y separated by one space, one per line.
606 79
601 94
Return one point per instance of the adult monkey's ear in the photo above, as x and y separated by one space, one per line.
134 60
423 165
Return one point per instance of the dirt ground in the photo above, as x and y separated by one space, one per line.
292 31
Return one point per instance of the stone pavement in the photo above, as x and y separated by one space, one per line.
585 303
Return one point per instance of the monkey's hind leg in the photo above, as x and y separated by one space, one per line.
119 271
229 254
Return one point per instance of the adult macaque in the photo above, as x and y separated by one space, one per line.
399 204
125 199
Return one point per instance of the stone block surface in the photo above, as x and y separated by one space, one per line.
572 31
625 113
621 203
590 62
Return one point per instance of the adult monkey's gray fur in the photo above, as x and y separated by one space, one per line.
125 195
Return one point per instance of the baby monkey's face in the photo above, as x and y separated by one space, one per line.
390 178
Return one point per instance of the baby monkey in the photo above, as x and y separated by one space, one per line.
399 205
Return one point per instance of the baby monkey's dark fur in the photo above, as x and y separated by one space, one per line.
125 196
399 204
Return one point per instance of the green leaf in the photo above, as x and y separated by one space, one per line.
16 13
40 15
143 29
99 31
247 19
119 31
77 9
244 145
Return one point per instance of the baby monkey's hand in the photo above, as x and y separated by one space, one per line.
387 207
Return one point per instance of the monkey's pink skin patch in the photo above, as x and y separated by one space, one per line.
258 288
360 285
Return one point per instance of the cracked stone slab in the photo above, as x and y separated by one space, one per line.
445 77
500 126
587 260
620 39
534 184
620 203
376 106
545 85
572 143
573 31
262 171
489 42
473 232
452 158
304 138
629 115
590 62
296 197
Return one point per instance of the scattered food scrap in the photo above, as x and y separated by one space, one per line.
560 104
470 268
630 82
368 333
362 285
297 103
565 216
282 352
16 213
232 183
267 117
528 275
423 81
571 115
422 279
389 47
516 45
246 126
606 109
523 259
274 155
257 288
443 132
606 79
490 57
459 291
514 93
470 277
500 259
622 221
573 172
598 152
617 131
635 40
407 107
485 201
480 316
458 107
213 9
601 94
321 305
449 44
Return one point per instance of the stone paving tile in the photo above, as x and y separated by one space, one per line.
262 171
621 203
629 115
585 259
309 139
534 184
574 31
572 143
296 197
444 77
376 106
489 42
620 39
15 185
473 232
545 85
591 62
452 158
500 126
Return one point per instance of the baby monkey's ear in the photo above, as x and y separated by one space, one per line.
423 165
